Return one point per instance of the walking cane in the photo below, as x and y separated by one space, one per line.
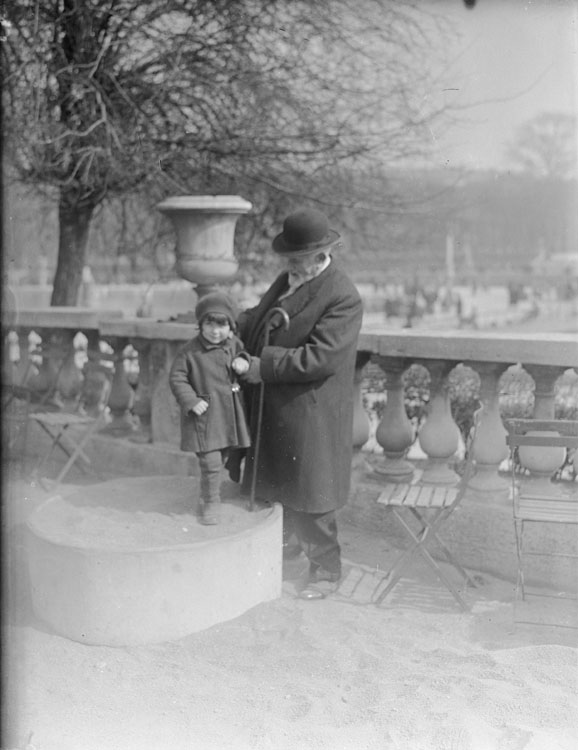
269 317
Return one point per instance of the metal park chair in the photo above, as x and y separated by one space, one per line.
541 500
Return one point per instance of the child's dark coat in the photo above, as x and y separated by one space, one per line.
203 371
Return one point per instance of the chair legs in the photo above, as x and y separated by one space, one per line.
520 589
427 532
17 428
535 605
58 437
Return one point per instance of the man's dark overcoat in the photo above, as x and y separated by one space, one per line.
306 434
202 371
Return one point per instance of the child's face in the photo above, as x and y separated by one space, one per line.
215 328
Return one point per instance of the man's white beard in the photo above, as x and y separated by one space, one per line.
295 277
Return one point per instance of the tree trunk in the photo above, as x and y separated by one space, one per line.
74 225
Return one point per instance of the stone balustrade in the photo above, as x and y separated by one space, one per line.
545 357
59 352
142 350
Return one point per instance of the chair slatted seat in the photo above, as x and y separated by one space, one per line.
419 496
552 510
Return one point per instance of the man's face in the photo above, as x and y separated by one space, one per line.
304 267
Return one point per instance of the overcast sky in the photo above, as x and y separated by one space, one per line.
513 60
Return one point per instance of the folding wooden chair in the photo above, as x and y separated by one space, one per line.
57 425
16 401
430 505
69 431
19 397
541 500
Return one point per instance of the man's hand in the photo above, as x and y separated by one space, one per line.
200 408
240 365
253 374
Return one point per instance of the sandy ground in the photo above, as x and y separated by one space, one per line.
342 674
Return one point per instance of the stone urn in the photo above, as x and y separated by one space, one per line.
205 229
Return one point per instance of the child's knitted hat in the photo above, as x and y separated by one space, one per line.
216 302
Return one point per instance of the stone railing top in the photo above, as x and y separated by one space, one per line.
148 328
549 349
78 318
555 349
558 350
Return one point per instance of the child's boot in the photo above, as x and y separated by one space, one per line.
210 485
210 513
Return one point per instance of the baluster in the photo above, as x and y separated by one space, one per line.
97 377
543 461
395 432
575 461
121 395
9 372
69 379
489 448
143 394
43 380
439 437
165 411
23 371
361 425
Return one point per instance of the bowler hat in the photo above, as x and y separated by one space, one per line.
305 231
215 302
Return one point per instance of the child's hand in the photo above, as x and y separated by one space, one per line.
200 408
240 365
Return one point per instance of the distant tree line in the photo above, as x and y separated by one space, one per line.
497 221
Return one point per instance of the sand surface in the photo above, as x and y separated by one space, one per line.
137 513
337 674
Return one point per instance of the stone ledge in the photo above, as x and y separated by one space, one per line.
126 562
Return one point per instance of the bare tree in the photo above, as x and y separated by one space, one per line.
105 97
547 146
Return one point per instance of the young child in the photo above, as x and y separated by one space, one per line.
202 379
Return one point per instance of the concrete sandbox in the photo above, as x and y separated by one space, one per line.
127 562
